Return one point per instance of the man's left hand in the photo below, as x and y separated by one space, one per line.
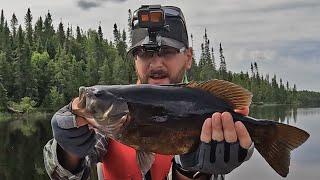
224 145
221 127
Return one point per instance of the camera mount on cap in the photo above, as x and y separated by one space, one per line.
151 17
155 26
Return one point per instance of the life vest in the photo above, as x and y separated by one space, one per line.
120 164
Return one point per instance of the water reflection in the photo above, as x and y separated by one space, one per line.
280 113
23 138
305 160
21 142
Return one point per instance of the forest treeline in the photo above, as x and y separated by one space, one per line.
42 66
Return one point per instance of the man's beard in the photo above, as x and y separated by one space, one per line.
161 74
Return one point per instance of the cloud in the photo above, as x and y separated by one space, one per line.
88 4
294 61
284 6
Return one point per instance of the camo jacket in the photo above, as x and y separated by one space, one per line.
57 172
52 165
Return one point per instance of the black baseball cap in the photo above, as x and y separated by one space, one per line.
173 34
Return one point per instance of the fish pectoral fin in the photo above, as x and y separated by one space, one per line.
144 160
234 94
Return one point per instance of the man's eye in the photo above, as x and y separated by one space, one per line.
169 51
147 55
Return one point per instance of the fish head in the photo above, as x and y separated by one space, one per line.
108 110
96 101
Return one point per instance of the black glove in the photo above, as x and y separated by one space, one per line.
215 157
76 140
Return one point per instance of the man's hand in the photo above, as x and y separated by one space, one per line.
74 137
224 146
83 117
221 127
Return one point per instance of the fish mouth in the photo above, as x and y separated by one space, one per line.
117 116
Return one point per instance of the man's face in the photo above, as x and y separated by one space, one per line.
164 69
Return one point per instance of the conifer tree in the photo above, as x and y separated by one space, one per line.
1 21
213 60
61 34
48 36
193 73
5 38
202 57
116 34
79 35
257 72
38 35
223 65
14 24
129 27
252 71
100 34
28 26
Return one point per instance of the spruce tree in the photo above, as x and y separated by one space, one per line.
129 27
14 24
223 65
38 35
5 38
1 21
28 26
61 34
257 72
100 34
48 36
213 60
79 35
116 34
193 73
202 57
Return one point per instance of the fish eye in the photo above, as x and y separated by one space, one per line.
99 93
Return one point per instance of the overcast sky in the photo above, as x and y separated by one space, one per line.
281 35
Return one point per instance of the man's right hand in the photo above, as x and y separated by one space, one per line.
73 135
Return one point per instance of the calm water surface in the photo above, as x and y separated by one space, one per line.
22 140
305 160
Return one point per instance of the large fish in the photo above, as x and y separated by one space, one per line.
167 119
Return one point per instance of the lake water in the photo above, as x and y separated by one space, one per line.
22 140
305 160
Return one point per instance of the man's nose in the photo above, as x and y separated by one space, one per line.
156 62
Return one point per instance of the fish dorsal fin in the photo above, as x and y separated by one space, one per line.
236 95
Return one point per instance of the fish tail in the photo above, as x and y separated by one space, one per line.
274 141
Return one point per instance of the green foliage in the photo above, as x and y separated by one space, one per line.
309 98
3 97
42 74
120 71
42 66
26 105
54 100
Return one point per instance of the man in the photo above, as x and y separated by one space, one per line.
162 56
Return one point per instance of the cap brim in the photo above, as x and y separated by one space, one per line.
161 41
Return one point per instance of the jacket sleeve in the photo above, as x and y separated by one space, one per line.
55 169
